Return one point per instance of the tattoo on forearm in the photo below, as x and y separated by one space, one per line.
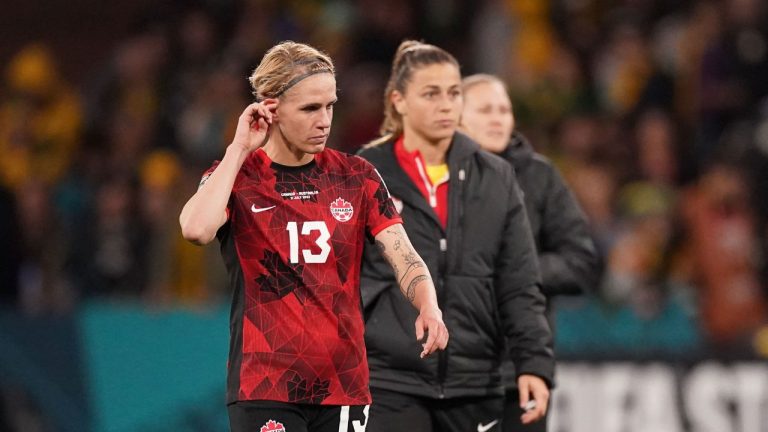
396 233
410 292
412 266
383 250
410 257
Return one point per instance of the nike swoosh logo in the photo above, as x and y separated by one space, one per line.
483 428
259 210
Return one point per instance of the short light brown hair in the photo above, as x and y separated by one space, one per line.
284 65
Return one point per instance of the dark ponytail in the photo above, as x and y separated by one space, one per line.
410 56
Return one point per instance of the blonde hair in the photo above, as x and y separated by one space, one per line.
284 65
410 56
473 80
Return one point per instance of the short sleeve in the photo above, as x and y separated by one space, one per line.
381 211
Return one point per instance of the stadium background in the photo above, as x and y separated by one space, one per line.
655 111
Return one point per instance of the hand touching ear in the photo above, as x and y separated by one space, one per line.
254 124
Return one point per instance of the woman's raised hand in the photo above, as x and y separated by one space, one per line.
254 124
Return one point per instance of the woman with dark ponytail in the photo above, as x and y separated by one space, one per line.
463 211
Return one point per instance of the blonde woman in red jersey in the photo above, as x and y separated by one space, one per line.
291 217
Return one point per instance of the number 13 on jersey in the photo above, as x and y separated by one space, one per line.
321 241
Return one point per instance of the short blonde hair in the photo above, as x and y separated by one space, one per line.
284 65
473 80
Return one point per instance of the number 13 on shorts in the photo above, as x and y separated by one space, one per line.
353 413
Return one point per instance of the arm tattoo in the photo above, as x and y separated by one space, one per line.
412 266
408 253
410 292
410 257
397 233
381 246
383 250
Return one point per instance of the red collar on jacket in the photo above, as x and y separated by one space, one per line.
413 164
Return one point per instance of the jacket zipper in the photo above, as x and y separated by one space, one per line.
431 190
442 357
458 210
442 364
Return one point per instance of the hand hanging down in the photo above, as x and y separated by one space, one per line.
417 286
535 408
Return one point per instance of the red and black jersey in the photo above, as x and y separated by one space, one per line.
292 245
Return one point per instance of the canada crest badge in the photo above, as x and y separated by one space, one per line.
272 426
342 210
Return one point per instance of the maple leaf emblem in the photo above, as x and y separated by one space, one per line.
281 279
342 210
387 207
273 426
301 390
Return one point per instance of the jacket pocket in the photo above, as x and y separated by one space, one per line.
390 335
471 314
370 293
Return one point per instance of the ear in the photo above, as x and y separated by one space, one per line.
273 104
398 101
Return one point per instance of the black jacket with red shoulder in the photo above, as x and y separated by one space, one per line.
486 274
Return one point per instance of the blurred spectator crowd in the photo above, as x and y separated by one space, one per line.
655 111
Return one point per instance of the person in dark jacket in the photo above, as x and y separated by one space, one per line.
567 256
463 211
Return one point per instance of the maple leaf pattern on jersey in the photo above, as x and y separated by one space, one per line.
287 181
343 247
301 391
386 206
298 333
282 278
